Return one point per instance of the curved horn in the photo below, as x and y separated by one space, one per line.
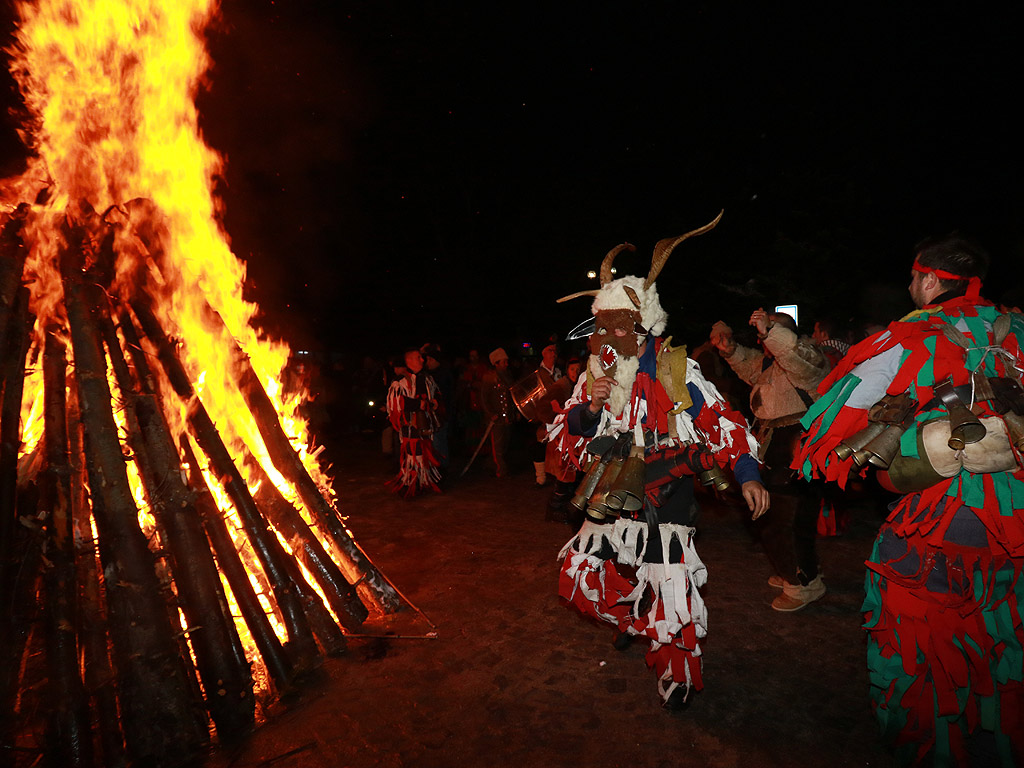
606 265
664 248
577 295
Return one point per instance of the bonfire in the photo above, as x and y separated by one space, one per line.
171 554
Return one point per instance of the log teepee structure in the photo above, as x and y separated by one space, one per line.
170 551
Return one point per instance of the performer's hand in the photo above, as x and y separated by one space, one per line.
759 319
601 392
757 498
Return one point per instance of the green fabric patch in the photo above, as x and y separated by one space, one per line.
972 489
988 712
998 618
832 401
1016 492
908 443
1000 481
954 487
926 376
974 355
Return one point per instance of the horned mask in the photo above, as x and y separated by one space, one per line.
627 309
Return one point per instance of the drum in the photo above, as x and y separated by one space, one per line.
534 393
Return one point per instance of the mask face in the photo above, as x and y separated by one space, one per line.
614 336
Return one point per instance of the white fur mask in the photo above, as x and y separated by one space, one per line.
625 374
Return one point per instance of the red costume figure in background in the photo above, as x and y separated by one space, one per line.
414 413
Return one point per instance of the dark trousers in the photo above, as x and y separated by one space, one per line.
499 447
790 528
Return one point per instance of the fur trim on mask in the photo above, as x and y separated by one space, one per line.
613 296
625 374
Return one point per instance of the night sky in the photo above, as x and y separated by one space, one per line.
400 172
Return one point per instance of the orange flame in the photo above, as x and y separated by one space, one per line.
111 88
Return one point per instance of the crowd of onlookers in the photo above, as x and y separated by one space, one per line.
347 397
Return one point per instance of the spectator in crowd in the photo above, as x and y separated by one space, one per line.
496 402
826 335
547 374
783 377
469 406
559 467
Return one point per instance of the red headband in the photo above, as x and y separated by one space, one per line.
973 283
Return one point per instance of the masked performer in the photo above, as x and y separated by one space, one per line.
643 421
414 413
935 400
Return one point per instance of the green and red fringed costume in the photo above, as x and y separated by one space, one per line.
945 594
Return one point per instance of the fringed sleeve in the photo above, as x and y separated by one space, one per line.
723 429
572 447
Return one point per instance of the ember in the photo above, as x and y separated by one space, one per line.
170 553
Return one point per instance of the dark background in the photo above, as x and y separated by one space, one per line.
399 172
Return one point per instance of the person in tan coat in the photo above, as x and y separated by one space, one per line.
783 376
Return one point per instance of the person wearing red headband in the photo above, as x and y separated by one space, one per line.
936 401
947 268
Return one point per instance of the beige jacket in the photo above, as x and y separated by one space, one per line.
797 364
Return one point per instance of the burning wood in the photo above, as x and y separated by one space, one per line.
170 553
159 692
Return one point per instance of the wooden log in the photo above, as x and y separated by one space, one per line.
325 629
12 376
370 583
12 387
159 717
308 549
15 629
96 297
91 620
220 656
274 655
13 254
268 549
18 565
361 571
150 385
70 737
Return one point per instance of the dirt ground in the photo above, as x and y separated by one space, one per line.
511 677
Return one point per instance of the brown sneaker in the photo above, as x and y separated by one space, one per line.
797 596
778 582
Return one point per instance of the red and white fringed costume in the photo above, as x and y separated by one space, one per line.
412 410
944 593
656 601
640 572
